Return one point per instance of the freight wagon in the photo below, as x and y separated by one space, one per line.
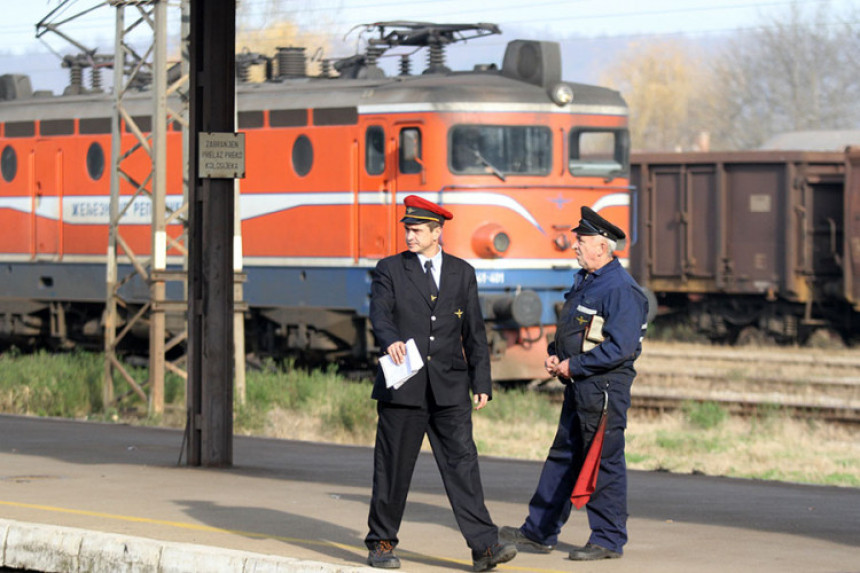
756 245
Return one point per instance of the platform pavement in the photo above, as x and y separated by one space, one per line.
101 498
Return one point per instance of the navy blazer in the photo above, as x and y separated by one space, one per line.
450 334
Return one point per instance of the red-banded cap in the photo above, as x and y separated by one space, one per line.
420 210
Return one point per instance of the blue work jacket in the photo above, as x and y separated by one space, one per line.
611 294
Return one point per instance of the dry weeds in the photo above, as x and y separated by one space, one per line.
771 446
778 448
775 448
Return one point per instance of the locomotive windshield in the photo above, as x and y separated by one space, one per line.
598 152
500 149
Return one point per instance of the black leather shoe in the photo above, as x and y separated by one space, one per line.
591 552
382 555
492 556
515 535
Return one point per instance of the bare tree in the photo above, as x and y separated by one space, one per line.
665 89
265 26
793 73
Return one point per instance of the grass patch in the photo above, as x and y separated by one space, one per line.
843 479
687 444
42 384
634 458
342 408
284 402
71 386
704 415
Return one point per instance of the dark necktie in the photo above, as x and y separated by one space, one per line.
434 290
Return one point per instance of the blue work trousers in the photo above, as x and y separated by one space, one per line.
549 508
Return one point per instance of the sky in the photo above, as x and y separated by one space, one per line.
583 26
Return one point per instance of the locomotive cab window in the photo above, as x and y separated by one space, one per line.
410 150
598 153
500 150
374 150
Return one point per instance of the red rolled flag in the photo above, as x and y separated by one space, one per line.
586 482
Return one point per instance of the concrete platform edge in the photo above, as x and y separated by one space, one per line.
51 548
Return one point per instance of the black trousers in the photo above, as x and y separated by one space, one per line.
399 434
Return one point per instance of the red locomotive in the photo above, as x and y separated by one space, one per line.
512 150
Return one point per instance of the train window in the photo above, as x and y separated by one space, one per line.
250 119
94 125
95 161
9 163
20 129
57 127
410 150
500 149
143 123
303 155
288 117
599 153
374 150
336 116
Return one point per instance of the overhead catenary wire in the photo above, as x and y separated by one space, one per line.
253 8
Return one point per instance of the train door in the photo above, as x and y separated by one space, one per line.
683 231
393 168
47 197
754 207
826 228
377 189
666 194
411 173
852 227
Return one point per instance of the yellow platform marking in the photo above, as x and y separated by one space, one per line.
428 559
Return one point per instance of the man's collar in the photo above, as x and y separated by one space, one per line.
437 259
605 267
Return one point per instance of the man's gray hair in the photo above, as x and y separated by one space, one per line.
613 245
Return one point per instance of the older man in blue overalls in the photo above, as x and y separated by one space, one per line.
598 337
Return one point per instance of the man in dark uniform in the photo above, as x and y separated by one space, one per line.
598 337
431 297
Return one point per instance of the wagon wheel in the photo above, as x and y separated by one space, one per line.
754 336
825 338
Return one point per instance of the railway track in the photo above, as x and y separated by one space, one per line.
808 383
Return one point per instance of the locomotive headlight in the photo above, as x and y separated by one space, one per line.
491 241
561 94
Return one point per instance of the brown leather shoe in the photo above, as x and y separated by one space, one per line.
492 556
592 552
382 555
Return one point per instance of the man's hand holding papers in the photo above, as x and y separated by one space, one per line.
397 374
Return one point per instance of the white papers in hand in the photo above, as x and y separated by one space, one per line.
397 374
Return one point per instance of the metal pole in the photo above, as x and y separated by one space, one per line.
238 297
111 271
210 367
130 69
157 286
238 288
